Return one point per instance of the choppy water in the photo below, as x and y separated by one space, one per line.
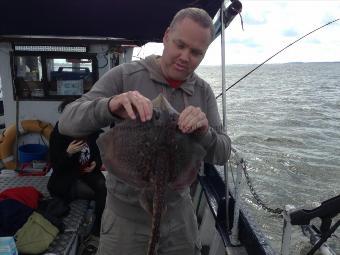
285 120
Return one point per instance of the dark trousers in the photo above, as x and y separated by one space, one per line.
91 186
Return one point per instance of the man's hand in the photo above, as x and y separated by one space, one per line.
90 168
192 119
74 147
126 105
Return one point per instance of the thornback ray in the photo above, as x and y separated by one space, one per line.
154 156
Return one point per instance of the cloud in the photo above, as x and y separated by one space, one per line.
272 25
254 20
313 41
291 32
246 42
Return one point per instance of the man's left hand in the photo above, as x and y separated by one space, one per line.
192 119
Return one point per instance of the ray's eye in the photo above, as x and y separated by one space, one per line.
157 115
173 117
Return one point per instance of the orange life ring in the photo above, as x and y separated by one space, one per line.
8 136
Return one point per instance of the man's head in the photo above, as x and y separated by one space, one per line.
186 41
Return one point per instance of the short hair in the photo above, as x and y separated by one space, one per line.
198 15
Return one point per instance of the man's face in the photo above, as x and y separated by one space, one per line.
184 48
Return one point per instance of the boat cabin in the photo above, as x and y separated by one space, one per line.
37 73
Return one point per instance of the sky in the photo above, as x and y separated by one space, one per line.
269 26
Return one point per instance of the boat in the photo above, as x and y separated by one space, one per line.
49 52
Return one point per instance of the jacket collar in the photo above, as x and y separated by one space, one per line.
188 86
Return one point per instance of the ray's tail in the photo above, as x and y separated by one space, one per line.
158 206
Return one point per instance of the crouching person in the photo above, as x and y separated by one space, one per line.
77 173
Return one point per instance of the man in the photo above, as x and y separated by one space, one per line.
125 92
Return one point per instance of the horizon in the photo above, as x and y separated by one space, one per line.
283 63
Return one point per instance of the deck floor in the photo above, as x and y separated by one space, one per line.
81 211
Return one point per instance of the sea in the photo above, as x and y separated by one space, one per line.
284 120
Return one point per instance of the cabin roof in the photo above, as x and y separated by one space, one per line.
134 20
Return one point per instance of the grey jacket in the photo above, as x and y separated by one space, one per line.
90 113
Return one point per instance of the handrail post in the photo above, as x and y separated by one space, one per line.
287 230
225 167
237 196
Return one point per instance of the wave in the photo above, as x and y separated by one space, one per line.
285 141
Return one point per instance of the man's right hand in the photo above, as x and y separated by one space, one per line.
128 104
74 147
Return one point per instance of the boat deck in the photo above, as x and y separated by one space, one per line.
76 223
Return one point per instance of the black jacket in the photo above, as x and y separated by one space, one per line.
66 169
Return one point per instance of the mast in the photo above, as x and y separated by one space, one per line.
224 113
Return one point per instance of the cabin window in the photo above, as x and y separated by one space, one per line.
69 76
28 77
53 76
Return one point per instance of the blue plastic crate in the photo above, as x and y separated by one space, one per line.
30 152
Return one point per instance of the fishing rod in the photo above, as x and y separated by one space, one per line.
276 54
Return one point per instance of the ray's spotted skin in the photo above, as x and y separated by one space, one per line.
154 156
